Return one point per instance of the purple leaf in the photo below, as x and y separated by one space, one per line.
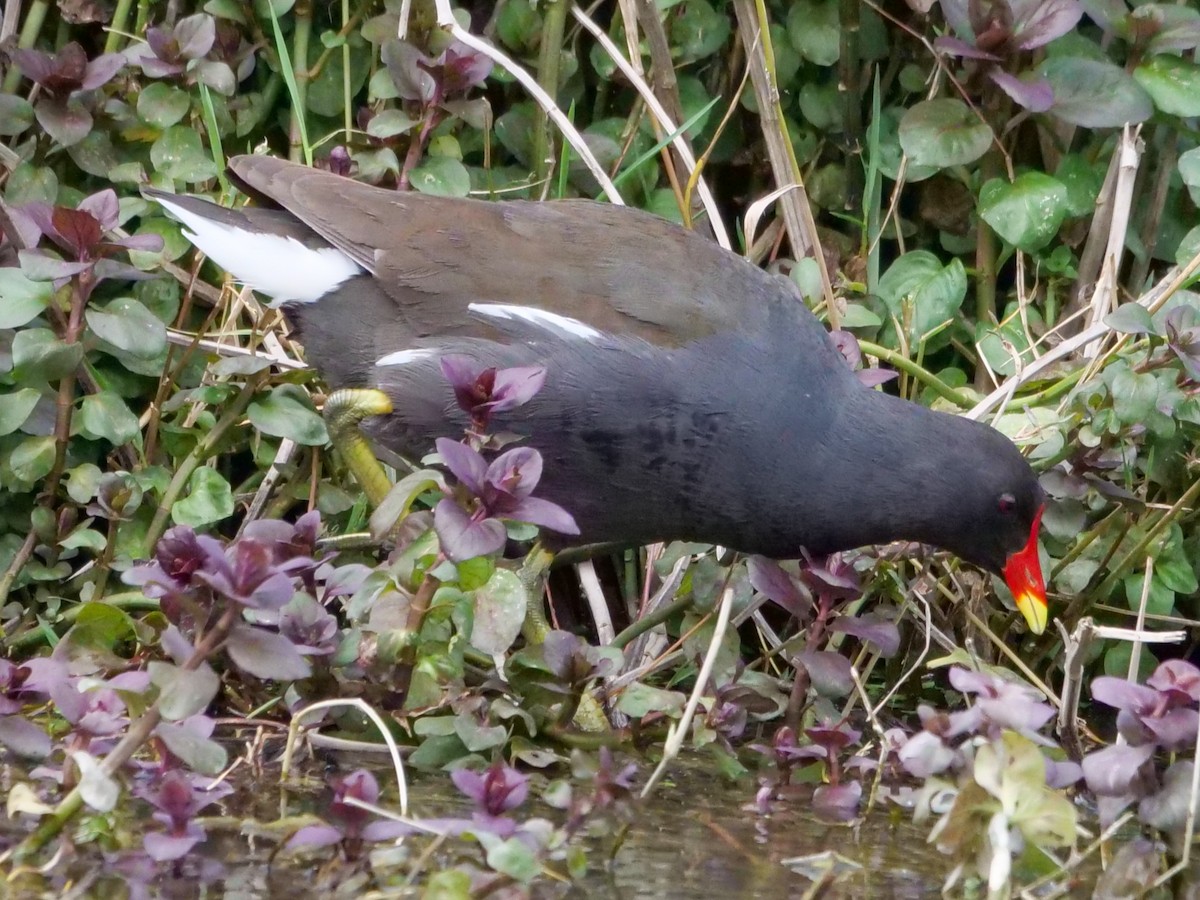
101 70
1038 22
461 537
1062 773
828 671
24 738
465 464
166 847
1122 694
266 654
952 46
875 376
545 514
64 119
925 755
771 580
495 791
515 473
1167 810
1174 730
103 207
312 837
195 35
838 802
1115 770
1035 95
881 632
516 386
1177 677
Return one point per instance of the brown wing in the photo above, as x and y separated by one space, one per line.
618 269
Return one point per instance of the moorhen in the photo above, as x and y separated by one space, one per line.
688 393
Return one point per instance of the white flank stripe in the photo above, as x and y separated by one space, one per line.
404 357
535 316
280 267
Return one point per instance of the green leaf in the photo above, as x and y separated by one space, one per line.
209 499
1134 395
1189 246
815 31
1083 182
511 857
499 612
1131 318
943 133
518 25
1028 212
1176 574
325 93
287 412
95 153
31 184
162 105
1173 84
180 155
24 299
183 693
390 123
1094 93
32 459
477 737
698 31
104 416
449 884
1189 168
935 291
130 327
640 699
84 539
441 176
15 409
16 114
1160 601
38 355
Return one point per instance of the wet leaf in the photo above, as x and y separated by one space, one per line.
15 408
640 699
24 298
1094 93
1028 212
161 105
499 612
943 133
180 155
441 176
183 693
266 654
1173 84
209 499
130 327
16 115
39 356
935 291
287 412
105 416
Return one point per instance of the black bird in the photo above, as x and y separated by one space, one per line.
688 395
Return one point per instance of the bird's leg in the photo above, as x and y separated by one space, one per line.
344 411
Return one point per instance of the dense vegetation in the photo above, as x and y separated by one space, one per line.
994 199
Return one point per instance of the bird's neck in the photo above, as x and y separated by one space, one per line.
881 462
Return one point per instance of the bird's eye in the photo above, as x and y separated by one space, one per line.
1007 503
